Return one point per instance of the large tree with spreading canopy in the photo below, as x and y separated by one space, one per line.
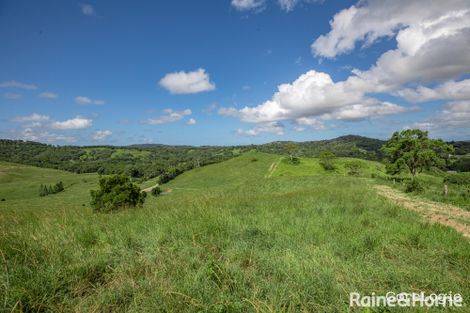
412 150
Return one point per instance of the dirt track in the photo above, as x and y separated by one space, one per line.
436 212
272 168
148 189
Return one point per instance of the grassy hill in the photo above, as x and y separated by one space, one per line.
21 183
249 167
344 146
226 238
144 162
312 166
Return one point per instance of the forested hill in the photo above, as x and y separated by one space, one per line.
150 160
142 163
345 146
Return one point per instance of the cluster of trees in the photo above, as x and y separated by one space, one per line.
357 147
45 190
345 146
461 163
149 161
172 172
116 192
138 162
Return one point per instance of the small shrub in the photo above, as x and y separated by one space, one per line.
156 191
116 192
293 161
398 179
457 178
354 168
414 186
254 159
3 199
327 166
58 187
45 190
327 160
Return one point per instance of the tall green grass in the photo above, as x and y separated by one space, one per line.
312 167
225 239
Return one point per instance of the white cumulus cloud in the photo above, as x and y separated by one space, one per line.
288 5
15 84
45 136
88 101
432 40
170 117
87 9
245 5
308 122
32 118
315 94
48 95
191 121
276 128
101 134
74 123
454 115
432 53
187 82
451 90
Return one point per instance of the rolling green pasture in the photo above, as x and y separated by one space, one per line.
224 239
312 166
432 182
19 185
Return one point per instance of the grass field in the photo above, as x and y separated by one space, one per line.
312 166
224 239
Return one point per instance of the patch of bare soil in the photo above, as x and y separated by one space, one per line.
436 212
149 189
273 168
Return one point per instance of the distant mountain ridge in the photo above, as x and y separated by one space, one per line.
347 145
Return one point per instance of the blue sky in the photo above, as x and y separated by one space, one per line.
208 72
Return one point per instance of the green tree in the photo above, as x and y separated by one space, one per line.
42 190
291 148
327 160
156 191
414 151
58 187
354 168
116 192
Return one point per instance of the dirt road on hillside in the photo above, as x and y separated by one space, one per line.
435 212
148 189
273 167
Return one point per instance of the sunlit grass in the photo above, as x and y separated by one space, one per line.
225 239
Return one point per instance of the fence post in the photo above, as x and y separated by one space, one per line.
445 190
